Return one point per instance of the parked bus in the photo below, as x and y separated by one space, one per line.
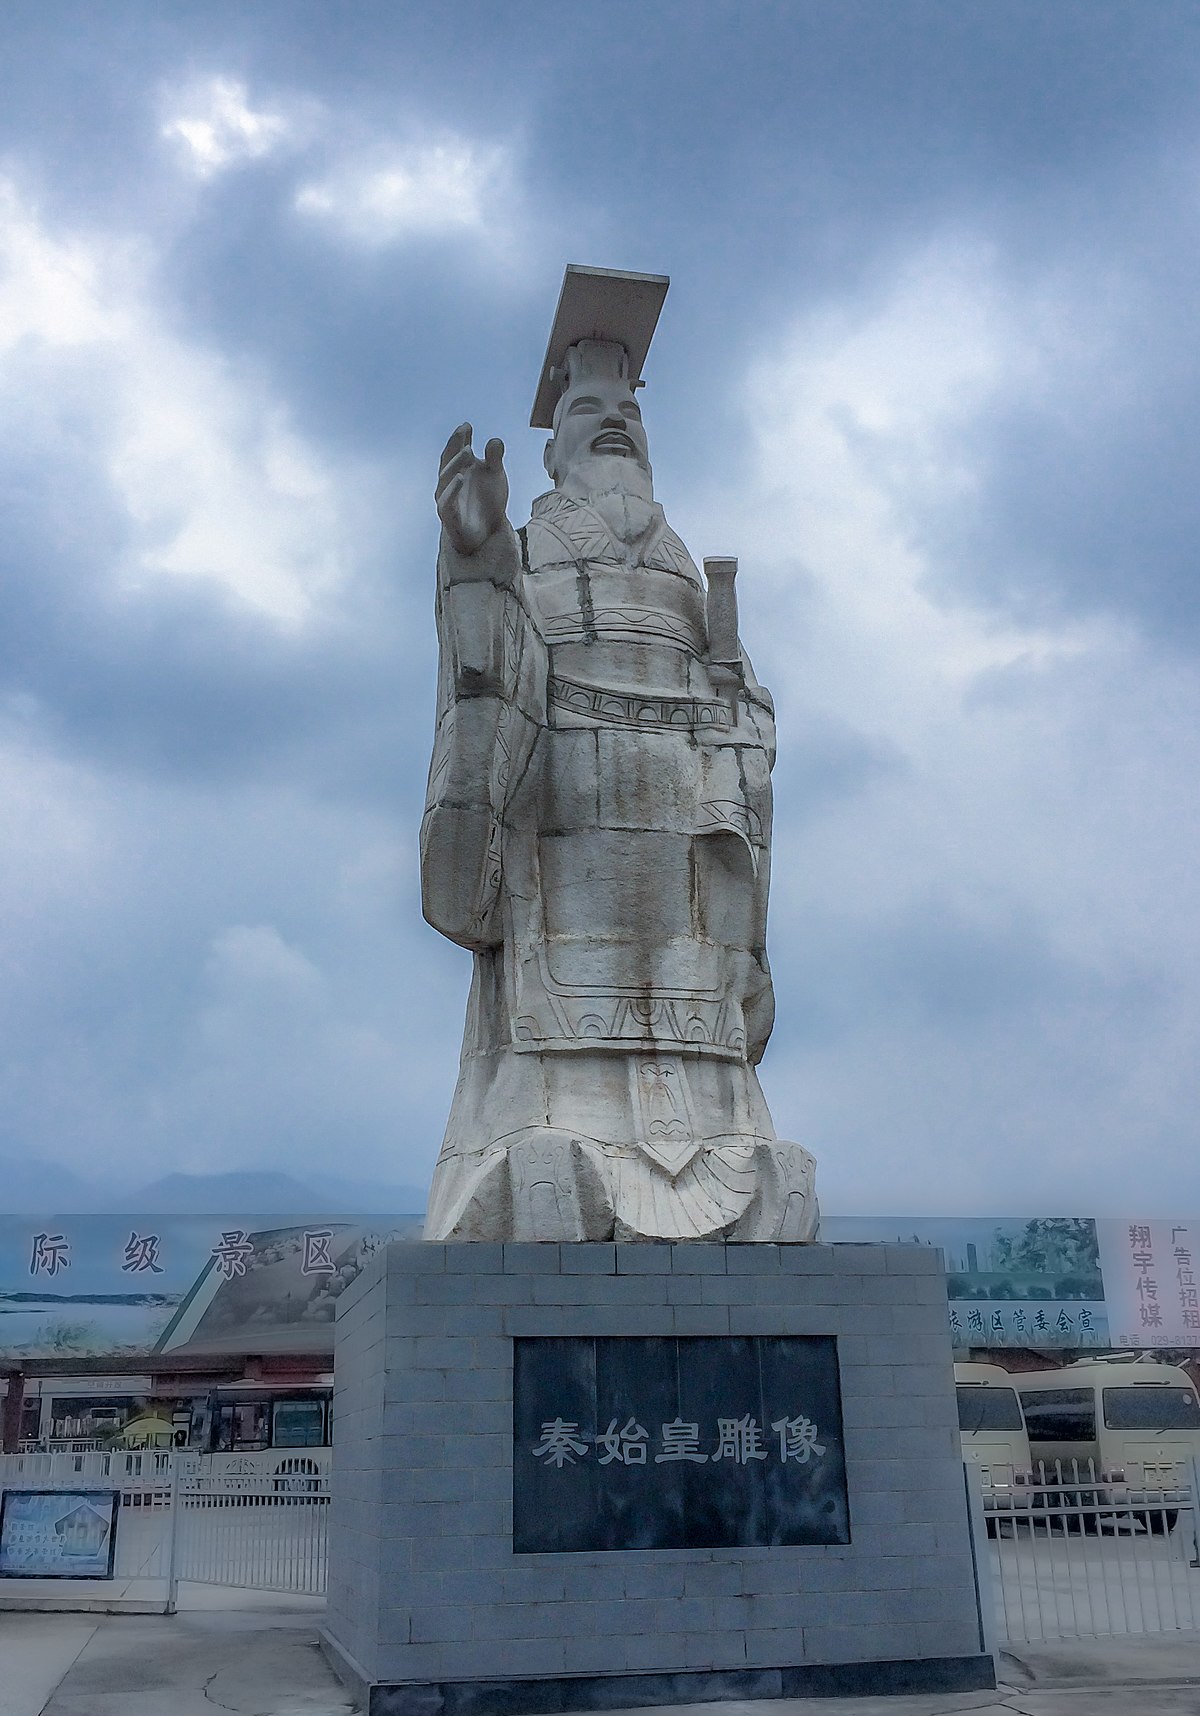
1131 1424
993 1432
243 1417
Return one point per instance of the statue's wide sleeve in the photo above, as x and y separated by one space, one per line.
491 688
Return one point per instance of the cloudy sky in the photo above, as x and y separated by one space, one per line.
929 366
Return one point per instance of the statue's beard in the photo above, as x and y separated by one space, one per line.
621 490
605 473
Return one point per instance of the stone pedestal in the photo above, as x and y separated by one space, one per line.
795 1524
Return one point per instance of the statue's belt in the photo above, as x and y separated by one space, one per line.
636 708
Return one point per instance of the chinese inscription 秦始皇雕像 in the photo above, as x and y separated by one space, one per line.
739 1439
645 1442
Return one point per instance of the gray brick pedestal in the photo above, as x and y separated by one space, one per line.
431 1613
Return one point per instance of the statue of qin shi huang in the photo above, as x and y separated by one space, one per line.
598 834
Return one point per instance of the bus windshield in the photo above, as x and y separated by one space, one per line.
1060 1414
982 1408
1151 1408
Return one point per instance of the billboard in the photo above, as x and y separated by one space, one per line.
1150 1276
109 1286
1055 1281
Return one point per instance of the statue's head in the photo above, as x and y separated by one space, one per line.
598 441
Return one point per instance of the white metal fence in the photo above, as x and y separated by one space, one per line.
255 1520
143 1478
1073 1554
143 1546
1078 1554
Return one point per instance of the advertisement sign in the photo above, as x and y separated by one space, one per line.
1151 1281
1012 1281
97 1286
58 1534
83 1286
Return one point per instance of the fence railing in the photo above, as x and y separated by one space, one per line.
143 1477
1079 1552
256 1520
143 1480
1075 1553
300 1471
60 1445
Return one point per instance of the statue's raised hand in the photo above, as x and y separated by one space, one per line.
471 493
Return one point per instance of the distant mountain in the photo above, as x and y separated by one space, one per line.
266 1193
48 1188
370 1197
214 1194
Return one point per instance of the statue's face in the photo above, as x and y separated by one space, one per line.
599 418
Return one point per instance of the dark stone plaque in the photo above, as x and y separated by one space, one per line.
696 1442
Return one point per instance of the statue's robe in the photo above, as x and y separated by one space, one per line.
597 832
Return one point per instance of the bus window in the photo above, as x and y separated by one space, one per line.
1060 1414
239 1426
987 1408
1151 1408
298 1424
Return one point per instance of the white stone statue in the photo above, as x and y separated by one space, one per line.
598 833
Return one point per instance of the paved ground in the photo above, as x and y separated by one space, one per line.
1154 1676
262 1660
36 1651
1141 1676
1049 1584
259 1661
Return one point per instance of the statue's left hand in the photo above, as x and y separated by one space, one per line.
471 493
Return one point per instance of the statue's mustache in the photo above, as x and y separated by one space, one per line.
614 441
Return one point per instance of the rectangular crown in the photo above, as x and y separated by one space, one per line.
598 304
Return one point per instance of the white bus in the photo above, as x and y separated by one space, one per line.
993 1434
1131 1424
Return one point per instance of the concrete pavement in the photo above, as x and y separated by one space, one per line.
260 1658
1122 1701
1155 1675
256 1659
35 1653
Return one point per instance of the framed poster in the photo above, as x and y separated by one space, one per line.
58 1534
